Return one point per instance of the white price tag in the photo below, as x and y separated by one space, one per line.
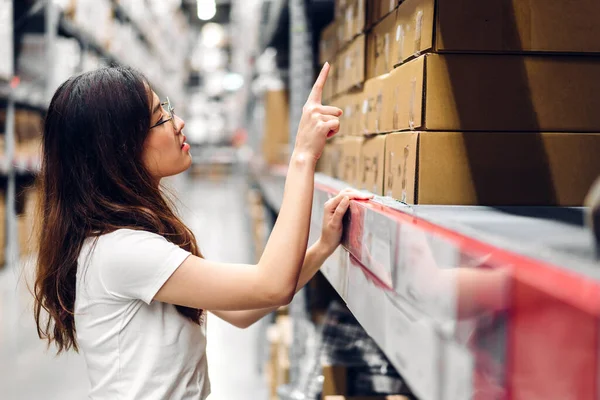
412 345
381 251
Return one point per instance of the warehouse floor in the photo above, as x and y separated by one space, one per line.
215 211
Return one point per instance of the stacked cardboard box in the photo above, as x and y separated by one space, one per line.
258 220
335 383
25 222
470 102
275 141
278 369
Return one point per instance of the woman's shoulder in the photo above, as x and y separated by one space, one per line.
128 233
123 241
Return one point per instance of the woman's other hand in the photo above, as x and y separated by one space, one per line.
335 209
318 122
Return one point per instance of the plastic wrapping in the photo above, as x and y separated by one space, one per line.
341 341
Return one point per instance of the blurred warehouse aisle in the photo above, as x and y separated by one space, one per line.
214 210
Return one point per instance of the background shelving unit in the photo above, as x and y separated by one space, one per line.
52 24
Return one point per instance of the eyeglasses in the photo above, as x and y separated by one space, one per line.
167 105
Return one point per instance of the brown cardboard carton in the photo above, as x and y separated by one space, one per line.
491 168
495 92
339 7
350 166
377 10
390 397
372 164
562 26
335 386
334 380
381 53
328 163
351 105
375 100
356 102
2 229
276 133
351 65
400 166
330 89
328 45
353 19
341 103
346 124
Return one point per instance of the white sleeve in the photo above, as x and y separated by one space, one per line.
136 264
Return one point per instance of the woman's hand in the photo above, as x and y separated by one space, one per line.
335 209
318 122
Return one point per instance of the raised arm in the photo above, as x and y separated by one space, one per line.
331 234
272 282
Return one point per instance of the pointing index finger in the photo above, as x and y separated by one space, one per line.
316 93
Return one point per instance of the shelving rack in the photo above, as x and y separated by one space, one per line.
468 302
56 24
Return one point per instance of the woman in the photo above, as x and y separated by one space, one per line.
119 274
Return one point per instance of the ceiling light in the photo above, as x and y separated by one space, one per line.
207 9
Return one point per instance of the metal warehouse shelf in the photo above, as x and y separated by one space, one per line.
469 302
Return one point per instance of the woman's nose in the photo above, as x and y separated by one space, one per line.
180 124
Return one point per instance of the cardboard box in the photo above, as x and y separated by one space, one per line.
356 103
350 104
491 168
335 383
25 222
350 160
328 45
353 19
375 100
381 53
334 380
377 10
372 163
276 137
2 229
330 90
351 65
329 163
344 104
494 93
493 26
393 397
339 7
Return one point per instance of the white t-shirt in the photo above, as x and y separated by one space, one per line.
136 348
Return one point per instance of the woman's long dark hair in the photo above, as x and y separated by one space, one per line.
93 182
